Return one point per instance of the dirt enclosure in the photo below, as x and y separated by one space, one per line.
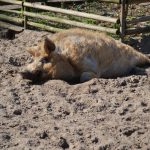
102 114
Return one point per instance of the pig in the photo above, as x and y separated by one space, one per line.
82 54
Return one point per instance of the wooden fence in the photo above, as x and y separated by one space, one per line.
122 21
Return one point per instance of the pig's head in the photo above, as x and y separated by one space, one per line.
47 64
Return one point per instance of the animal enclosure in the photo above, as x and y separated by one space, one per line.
55 19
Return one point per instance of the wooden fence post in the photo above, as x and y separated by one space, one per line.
123 15
62 5
25 17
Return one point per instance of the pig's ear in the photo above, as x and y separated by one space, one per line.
33 51
49 45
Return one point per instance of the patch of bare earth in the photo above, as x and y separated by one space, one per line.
102 114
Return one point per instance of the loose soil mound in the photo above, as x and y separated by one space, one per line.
102 114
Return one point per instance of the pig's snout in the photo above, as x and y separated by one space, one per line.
26 74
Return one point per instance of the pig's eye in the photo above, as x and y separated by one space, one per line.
44 60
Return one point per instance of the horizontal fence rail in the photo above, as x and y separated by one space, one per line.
137 1
128 1
138 19
71 12
111 1
12 2
137 30
11 19
64 0
12 11
12 27
73 23
6 7
52 29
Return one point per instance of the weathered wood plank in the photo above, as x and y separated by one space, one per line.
137 1
10 26
9 7
64 0
72 23
110 1
11 19
12 11
12 2
45 27
138 30
138 19
72 12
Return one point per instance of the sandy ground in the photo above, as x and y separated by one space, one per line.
102 114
